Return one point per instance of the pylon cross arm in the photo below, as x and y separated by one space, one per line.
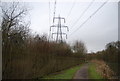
58 18
59 33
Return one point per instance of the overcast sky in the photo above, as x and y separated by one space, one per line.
101 29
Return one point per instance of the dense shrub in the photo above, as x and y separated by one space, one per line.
110 55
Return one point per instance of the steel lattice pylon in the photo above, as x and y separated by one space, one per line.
59 26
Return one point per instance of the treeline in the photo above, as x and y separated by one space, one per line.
27 56
111 55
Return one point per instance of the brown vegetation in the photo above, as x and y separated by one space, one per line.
104 69
110 56
26 56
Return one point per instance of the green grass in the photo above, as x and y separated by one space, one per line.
66 74
92 72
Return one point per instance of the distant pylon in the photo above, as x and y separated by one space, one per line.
59 37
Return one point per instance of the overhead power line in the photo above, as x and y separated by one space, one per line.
89 17
71 9
82 13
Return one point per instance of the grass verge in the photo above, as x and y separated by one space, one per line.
93 74
66 74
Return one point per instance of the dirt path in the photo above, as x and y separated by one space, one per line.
82 73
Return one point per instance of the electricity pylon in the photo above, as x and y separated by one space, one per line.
59 26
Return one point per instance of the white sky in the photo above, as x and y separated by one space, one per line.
101 29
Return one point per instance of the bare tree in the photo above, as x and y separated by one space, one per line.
79 47
14 30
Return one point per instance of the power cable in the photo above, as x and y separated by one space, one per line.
82 13
71 9
89 17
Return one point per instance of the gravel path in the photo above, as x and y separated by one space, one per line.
82 73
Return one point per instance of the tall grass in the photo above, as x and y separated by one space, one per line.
93 74
103 69
39 58
110 58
